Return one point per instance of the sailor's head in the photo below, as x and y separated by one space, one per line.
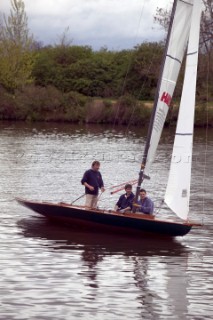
128 188
96 165
142 193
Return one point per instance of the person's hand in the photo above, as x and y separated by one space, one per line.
91 188
102 189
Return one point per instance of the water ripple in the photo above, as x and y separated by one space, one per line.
50 272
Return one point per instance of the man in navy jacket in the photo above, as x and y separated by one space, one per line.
92 180
125 201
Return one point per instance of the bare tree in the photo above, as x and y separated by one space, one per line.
207 26
64 38
15 27
162 17
16 55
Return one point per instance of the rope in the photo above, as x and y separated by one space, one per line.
141 90
130 61
206 135
78 198
10 200
160 206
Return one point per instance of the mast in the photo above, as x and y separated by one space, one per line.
149 133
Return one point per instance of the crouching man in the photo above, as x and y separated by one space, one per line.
126 200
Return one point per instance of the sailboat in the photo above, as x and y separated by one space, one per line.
183 37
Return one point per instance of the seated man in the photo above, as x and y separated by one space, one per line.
146 205
125 201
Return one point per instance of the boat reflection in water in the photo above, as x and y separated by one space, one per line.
62 237
143 269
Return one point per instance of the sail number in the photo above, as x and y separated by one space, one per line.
166 98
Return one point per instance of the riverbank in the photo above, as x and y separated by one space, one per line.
51 105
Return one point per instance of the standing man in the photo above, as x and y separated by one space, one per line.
146 205
125 201
92 180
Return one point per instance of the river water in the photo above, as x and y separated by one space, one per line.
50 272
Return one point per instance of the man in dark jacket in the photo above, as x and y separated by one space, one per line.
125 201
92 180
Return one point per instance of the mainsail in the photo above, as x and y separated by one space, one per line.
176 48
178 187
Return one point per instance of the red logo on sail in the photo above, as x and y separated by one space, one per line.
166 98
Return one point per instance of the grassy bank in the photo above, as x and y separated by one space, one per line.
36 103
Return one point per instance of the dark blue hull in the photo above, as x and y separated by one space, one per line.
130 223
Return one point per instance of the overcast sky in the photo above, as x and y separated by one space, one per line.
116 24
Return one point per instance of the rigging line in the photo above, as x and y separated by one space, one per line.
129 64
159 207
142 87
206 133
141 90
7 200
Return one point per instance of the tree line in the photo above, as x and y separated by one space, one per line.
44 78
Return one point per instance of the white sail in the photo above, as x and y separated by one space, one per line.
175 53
178 187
